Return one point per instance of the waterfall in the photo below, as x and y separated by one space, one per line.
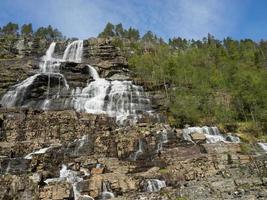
120 99
70 177
40 151
154 185
93 72
263 146
74 51
106 192
162 140
49 64
212 135
16 95
139 151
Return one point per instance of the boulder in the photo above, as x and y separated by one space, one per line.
198 137
56 192
97 171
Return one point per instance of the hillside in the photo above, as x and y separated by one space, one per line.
124 117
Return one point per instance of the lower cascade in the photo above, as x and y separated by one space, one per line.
263 146
120 99
106 192
154 185
212 135
139 151
72 177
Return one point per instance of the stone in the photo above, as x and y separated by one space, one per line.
120 77
198 137
97 171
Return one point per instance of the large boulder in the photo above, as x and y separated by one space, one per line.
198 137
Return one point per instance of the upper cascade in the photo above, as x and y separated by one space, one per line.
48 63
120 99
74 52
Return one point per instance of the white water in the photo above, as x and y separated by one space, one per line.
70 177
139 150
120 99
263 146
74 51
212 135
40 151
93 72
155 185
106 192
49 64
11 98
163 140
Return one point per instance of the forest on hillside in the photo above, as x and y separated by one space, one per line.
205 82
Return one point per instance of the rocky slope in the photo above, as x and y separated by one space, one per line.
64 154
99 152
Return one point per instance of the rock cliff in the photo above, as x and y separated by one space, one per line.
61 153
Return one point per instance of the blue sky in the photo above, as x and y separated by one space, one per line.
167 18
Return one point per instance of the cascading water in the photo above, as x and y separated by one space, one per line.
120 99
154 185
212 134
48 63
15 96
93 72
106 191
162 140
74 51
70 177
49 66
40 151
263 146
139 151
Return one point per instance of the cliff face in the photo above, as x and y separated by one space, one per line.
65 154
22 60
97 151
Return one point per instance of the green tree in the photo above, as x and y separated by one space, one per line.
48 33
119 30
133 34
108 31
10 29
26 29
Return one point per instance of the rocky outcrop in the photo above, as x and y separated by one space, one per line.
100 152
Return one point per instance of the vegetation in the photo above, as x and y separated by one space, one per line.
206 81
11 31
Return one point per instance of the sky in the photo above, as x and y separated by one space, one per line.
189 19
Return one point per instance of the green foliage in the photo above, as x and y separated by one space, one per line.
207 81
118 31
181 198
10 29
48 33
10 32
246 148
108 31
26 29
